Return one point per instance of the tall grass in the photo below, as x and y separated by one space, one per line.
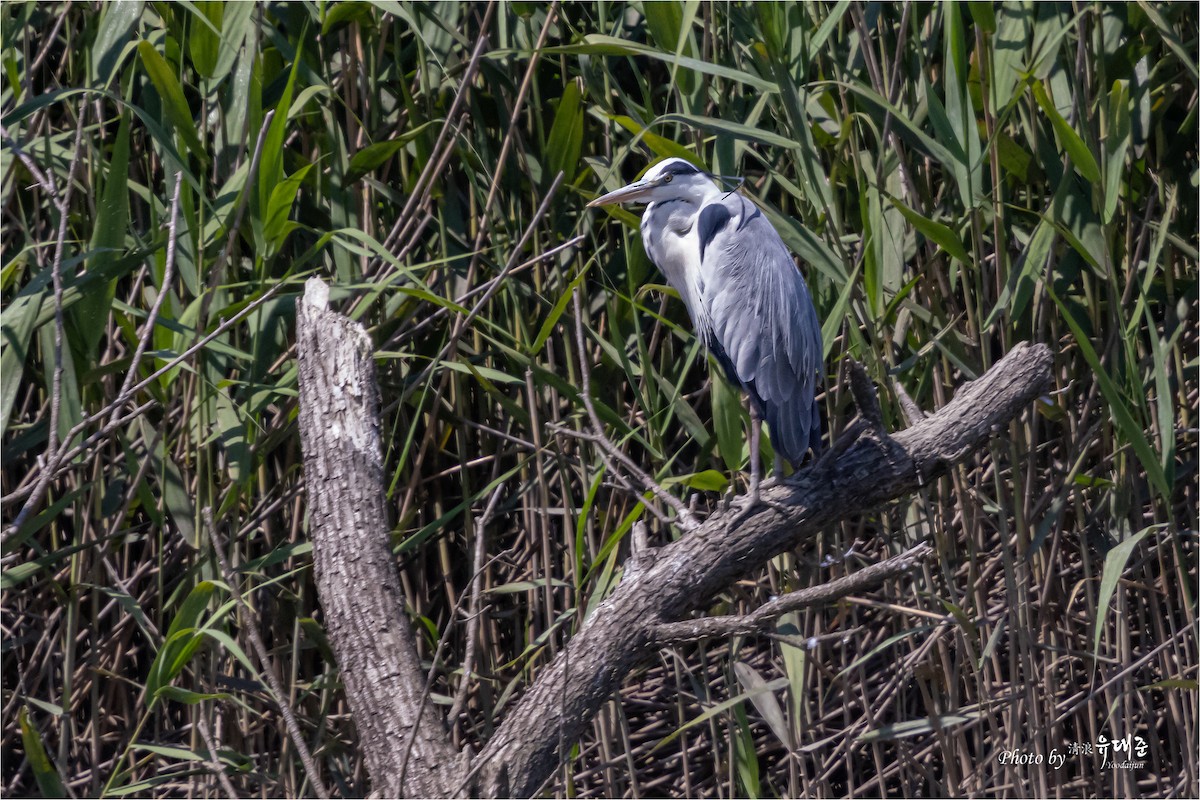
955 179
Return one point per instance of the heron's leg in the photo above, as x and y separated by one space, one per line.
755 452
752 497
776 473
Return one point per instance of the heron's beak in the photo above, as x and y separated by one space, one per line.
626 194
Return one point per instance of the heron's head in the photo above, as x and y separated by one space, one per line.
672 179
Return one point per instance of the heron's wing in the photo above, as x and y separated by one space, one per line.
759 319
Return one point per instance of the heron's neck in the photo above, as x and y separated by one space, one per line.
674 215
666 226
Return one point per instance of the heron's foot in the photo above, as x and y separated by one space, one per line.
774 505
743 515
750 501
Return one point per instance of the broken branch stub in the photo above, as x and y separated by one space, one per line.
357 580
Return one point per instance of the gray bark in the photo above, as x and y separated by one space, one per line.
357 581
373 639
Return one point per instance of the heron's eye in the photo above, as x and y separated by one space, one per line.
667 178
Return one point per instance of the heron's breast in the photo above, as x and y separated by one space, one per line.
671 242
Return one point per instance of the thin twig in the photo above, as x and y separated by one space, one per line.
37 62
509 134
163 291
213 762
683 516
462 322
218 269
437 156
53 444
423 197
468 664
433 668
31 165
264 660
404 335
1064 712
757 621
607 449
52 468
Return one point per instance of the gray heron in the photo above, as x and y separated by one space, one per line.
747 300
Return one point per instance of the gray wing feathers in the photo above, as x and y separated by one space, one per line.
760 312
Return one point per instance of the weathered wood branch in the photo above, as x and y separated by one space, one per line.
621 632
373 638
762 618
357 580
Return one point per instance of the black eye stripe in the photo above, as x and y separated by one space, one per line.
682 169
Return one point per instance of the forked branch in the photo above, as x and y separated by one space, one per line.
373 639
626 629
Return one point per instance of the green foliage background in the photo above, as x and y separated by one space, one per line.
955 179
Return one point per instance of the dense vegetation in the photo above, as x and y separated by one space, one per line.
954 178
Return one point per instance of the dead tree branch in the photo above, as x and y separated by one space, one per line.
760 620
623 630
357 580
373 639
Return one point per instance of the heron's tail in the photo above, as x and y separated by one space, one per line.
794 429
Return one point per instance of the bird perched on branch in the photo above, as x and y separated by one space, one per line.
747 300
